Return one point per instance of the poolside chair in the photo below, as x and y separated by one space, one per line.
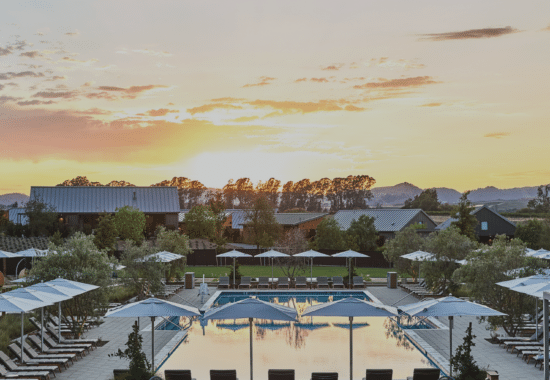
426 374
223 374
263 282
178 374
338 282
50 350
322 283
379 374
224 283
66 347
16 351
245 282
4 373
91 341
35 355
358 282
282 282
324 376
10 365
280 374
301 282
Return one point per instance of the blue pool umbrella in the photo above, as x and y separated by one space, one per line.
232 326
233 254
350 307
153 307
349 254
449 307
346 326
311 254
252 308
272 254
272 326
311 326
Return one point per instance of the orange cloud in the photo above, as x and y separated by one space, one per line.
31 54
245 119
398 83
126 93
227 99
211 107
351 107
497 135
161 112
472 33
55 94
301 80
11 75
263 82
431 105
333 67
319 80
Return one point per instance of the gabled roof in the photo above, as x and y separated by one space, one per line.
385 220
92 199
294 219
447 223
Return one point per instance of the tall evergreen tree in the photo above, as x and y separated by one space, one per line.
466 222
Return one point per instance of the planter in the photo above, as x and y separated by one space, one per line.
121 374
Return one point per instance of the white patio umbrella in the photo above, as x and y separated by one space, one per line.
33 252
37 296
153 307
272 254
419 256
234 254
350 307
350 254
163 257
311 254
252 308
449 307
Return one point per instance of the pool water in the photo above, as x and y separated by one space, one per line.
314 344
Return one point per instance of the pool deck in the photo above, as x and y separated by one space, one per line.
99 366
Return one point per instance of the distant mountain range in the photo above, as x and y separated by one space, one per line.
11 198
398 194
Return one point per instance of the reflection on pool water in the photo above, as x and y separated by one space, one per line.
314 344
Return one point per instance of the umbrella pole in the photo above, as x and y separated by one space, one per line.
272 279
59 324
153 343
234 287
450 345
349 278
250 321
42 329
350 348
312 270
22 331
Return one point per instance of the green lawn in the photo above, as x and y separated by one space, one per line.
257 271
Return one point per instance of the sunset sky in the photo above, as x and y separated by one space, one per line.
436 93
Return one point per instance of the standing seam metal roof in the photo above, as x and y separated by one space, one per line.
92 199
447 223
385 220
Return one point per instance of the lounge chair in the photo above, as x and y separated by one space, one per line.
82 343
4 373
224 283
324 376
426 374
322 283
67 347
338 282
223 374
280 374
245 282
10 365
358 282
301 282
92 341
50 350
282 282
379 374
16 350
35 355
178 374
263 282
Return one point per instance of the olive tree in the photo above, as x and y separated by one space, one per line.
405 241
130 224
141 274
292 242
77 259
175 242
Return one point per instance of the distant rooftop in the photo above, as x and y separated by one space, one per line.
385 220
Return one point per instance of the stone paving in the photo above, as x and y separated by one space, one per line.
99 366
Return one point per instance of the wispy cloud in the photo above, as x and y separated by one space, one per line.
161 112
56 94
245 119
263 82
35 102
5 98
31 54
388 63
73 34
55 77
213 106
319 80
431 105
497 135
398 83
472 33
301 80
151 52
22 74
113 92
333 67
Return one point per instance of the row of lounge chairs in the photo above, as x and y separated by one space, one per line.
288 374
299 283
529 348
168 290
420 290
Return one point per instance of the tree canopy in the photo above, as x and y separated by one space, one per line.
200 222
106 233
130 224
466 222
263 227
329 235
362 233
405 241
541 204
43 219
427 200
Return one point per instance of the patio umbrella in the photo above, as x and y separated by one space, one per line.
252 308
350 254
153 307
234 254
272 253
39 297
419 256
350 307
311 254
163 257
16 305
449 307
272 326
311 326
232 326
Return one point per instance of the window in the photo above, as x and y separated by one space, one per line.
484 226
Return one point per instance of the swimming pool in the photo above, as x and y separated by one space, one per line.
314 344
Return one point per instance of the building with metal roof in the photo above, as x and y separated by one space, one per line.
388 221
80 205
490 224
17 215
